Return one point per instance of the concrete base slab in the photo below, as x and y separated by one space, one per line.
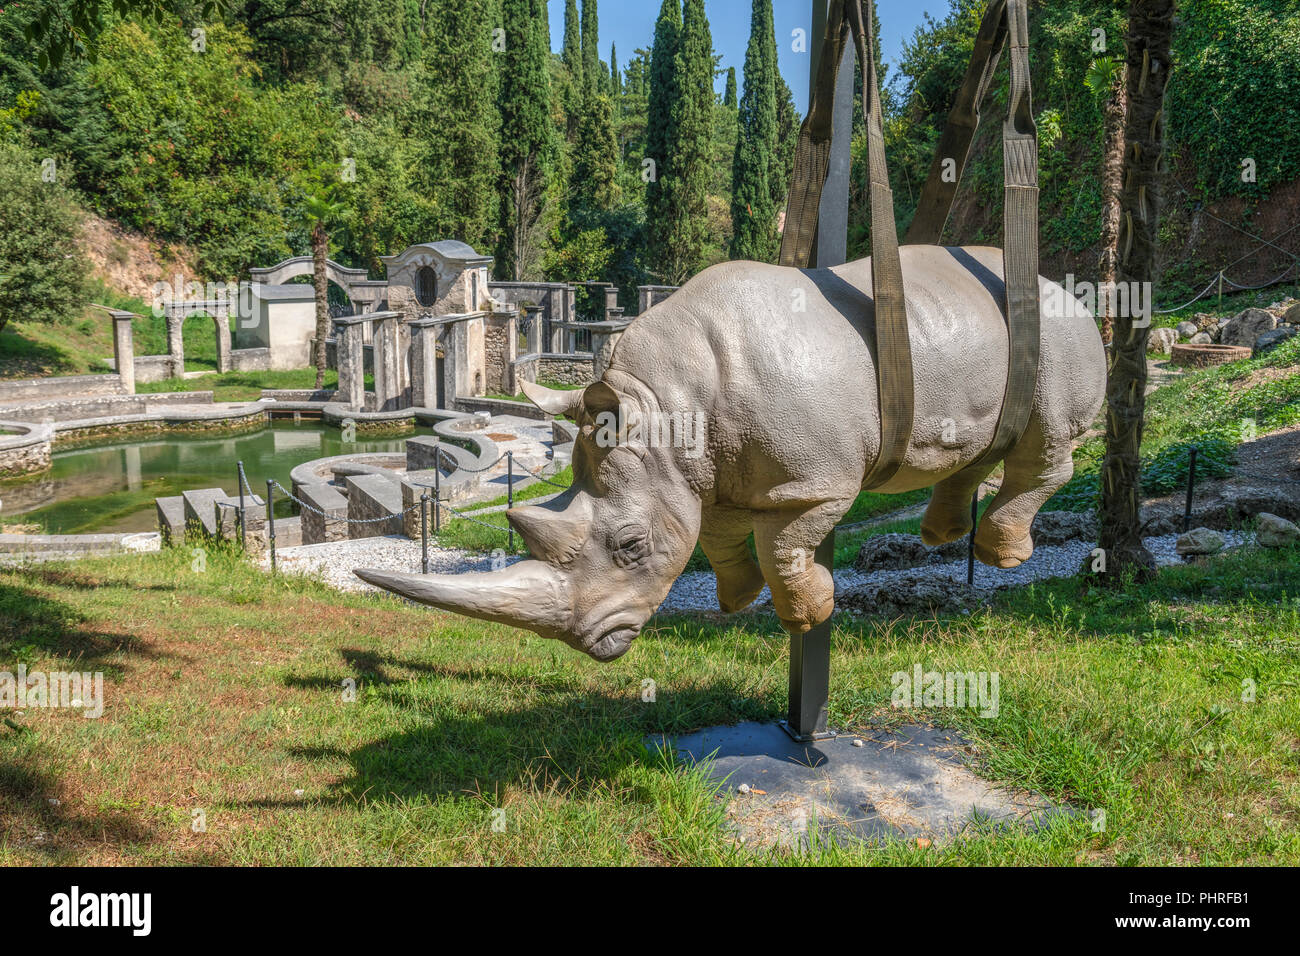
875 786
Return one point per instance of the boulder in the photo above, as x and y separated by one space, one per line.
1202 338
1292 315
1274 532
1245 327
1199 541
1162 340
907 595
893 552
1186 330
1058 527
1271 340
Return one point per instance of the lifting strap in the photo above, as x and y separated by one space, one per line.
1004 20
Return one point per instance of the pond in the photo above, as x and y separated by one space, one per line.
112 487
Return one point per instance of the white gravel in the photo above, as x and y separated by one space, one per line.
695 591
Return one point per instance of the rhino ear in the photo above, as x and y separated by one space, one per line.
555 401
600 397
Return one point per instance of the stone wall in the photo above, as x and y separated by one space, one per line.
38 389
576 369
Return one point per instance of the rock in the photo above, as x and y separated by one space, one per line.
1271 340
1199 541
1292 315
1202 338
894 552
1186 330
1162 340
1057 527
1245 327
909 594
1274 532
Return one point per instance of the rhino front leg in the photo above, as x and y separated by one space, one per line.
724 536
803 592
1036 468
947 516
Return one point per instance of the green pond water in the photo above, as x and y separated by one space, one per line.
112 487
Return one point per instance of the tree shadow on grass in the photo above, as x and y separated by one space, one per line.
33 626
36 822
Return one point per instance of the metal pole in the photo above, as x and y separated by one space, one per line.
270 519
243 519
970 543
810 671
1191 488
437 492
424 530
510 494
1220 288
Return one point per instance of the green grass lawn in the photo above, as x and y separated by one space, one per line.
224 694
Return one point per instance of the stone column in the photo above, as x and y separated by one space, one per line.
388 375
611 302
222 323
424 362
176 343
124 349
350 335
534 313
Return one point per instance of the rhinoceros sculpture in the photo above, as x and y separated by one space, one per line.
781 364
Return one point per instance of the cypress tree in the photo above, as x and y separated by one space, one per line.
753 200
688 170
729 98
527 136
591 65
615 81
571 54
661 94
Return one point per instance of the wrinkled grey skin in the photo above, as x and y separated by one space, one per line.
781 362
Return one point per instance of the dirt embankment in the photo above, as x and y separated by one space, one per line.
130 262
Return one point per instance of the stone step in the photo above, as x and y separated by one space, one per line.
171 519
330 526
374 496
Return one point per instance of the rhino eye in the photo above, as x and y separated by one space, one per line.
631 546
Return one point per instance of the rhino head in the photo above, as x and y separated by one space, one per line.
604 554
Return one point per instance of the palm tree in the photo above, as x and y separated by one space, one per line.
1148 65
321 211
1106 80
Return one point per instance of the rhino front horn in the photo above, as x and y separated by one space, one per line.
528 594
555 401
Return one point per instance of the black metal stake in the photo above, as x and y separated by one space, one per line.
510 494
424 530
1191 489
970 542
810 671
243 520
270 519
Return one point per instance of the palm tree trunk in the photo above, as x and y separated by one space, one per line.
1148 68
319 253
1112 178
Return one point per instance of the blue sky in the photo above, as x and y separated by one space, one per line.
630 24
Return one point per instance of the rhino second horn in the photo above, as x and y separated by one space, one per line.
555 401
551 534
528 594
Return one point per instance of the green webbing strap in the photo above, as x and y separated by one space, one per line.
954 145
1019 244
812 161
894 378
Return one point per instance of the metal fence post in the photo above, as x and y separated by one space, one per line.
1191 488
270 519
243 515
510 495
437 500
970 542
424 531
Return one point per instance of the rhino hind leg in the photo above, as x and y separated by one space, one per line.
1036 468
803 592
947 516
724 537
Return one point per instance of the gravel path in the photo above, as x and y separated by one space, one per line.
691 592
